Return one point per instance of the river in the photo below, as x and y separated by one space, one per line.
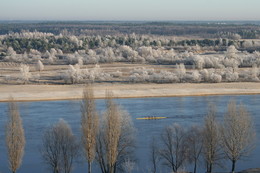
186 111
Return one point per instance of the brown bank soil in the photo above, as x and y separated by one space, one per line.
66 92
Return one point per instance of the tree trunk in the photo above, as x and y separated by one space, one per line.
112 170
154 167
55 170
209 168
195 167
89 167
233 166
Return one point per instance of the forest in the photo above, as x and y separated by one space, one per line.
71 53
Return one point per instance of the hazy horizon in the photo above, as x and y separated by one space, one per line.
123 10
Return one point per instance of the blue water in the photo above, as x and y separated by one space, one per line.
37 116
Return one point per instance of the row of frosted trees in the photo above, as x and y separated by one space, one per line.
143 54
109 140
78 74
206 68
70 43
212 143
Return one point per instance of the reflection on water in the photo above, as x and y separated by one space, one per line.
186 111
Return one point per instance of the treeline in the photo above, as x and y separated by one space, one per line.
200 29
24 41
109 141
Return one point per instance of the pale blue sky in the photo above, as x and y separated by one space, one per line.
130 10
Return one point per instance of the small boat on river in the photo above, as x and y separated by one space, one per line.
150 118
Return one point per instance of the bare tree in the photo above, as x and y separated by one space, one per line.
60 147
154 156
238 133
211 141
128 165
174 150
115 142
15 139
195 145
89 125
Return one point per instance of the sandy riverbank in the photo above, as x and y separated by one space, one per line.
64 92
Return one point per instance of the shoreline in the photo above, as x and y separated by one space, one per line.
29 93
79 98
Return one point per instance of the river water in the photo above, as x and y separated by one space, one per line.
186 111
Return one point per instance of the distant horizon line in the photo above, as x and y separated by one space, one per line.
100 20
126 21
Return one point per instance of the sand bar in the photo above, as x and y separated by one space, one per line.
68 92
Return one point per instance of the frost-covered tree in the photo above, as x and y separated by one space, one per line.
214 76
128 53
231 75
199 62
145 51
35 54
46 54
205 75
107 55
51 59
10 51
181 71
247 44
195 76
163 77
117 74
255 72
141 74
53 52
39 66
25 74
231 62
231 52
73 74
59 52
91 58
